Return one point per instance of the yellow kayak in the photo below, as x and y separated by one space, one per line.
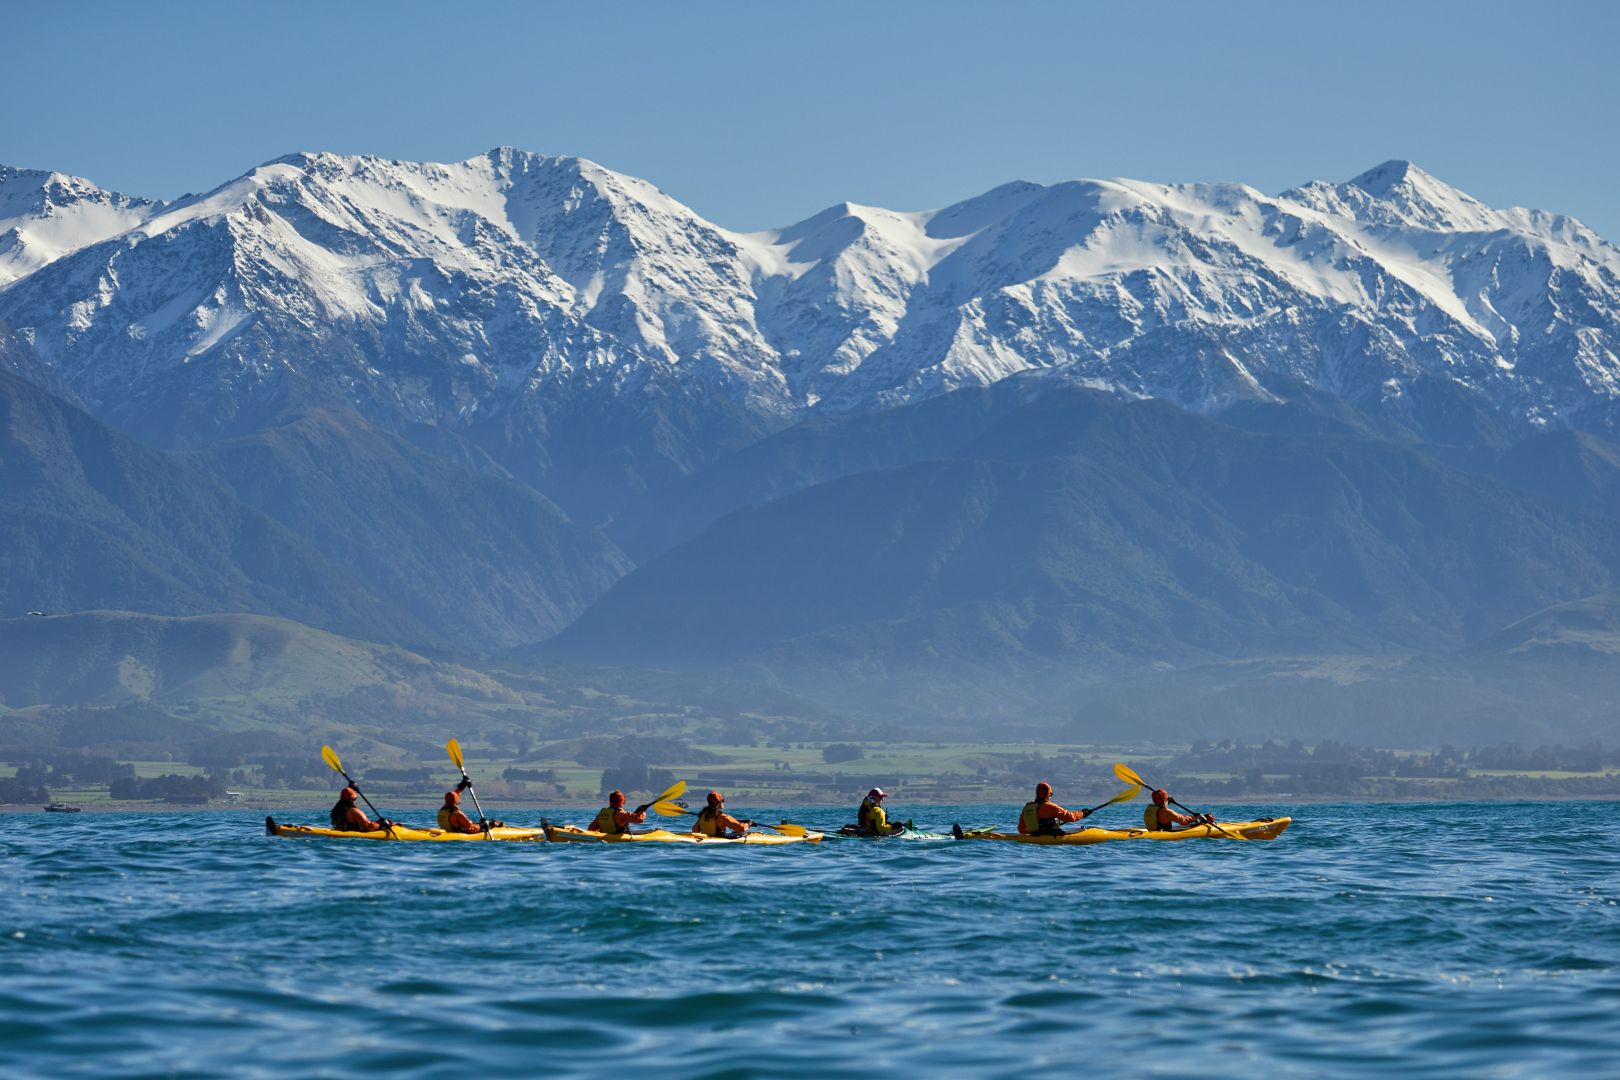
1263 829
569 834
404 832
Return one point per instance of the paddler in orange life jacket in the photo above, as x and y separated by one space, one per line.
1043 817
452 818
872 819
614 820
1160 818
347 817
713 820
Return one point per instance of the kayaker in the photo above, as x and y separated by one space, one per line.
1160 818
614 820
1043 817
872 819
348 817
452 818
713 820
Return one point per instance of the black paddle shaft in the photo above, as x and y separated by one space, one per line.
482 820
1196 814
362 794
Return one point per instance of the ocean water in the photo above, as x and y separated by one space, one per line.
1478 940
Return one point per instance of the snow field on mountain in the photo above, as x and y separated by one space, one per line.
562 278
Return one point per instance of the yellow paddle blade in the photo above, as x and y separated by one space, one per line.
789 829
454 749
669 809
1127 774
329 756
674 791
1125 796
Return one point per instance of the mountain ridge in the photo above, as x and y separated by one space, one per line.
514 297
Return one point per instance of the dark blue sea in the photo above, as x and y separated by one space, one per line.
1477 940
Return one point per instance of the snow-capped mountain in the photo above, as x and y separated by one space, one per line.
514 297
45 215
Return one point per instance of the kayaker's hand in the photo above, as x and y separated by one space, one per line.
1209 819
466 782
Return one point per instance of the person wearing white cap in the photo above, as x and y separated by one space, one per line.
873 819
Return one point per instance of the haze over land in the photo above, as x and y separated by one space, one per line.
1098 457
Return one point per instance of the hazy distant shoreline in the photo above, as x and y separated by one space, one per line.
427 807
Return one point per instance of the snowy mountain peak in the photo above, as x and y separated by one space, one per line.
45 215
1398 194
515 282
1380 181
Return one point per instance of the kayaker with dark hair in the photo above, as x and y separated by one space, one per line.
872 820
1043 817
1160 818
614 820
347 817
713 820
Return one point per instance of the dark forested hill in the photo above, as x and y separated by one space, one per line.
1068 536
89 518
483 560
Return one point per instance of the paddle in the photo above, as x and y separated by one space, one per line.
1127 774
665 803
674 791
329 756
454 749
1125 796
786 828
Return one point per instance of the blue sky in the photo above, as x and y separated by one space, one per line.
760 114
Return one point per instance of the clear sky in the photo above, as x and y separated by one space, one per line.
760 114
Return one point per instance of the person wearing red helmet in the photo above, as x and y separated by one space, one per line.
348 817
872 820
713 820
614 820
1043 817
1158 816
452 818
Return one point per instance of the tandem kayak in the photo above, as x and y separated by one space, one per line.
404 832
1263 829
569 834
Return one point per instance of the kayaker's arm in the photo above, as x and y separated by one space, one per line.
1056 813
461 823
1187 821
623 819
355 819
